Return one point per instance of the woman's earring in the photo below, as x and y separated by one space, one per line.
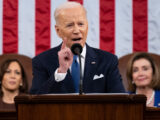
21 84
133 82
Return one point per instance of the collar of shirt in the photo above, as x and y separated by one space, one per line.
83 54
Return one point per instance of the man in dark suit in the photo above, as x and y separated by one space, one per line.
51 69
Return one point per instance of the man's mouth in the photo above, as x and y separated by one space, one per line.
76 39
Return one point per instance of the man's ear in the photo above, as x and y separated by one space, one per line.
58 31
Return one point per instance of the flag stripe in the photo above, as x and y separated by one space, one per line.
140 25
80 1
26 27
42 25
10 26
154 26
55 40
1 14
93 22
123 30
107 25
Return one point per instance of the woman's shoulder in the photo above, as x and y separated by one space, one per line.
157 92
4 106
157 98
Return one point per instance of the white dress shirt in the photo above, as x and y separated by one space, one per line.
60 76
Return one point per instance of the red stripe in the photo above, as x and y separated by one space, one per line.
79 1
107 25
10 26
140 25
42 25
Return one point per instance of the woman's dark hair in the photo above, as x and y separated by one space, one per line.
155 78
4 66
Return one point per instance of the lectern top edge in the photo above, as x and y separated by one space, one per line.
75 98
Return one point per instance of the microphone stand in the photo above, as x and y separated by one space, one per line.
76 50
81 80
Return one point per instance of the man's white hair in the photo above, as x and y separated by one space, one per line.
65 6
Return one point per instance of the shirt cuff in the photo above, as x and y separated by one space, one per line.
59 76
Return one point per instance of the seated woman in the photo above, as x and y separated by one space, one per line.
12 83
143 78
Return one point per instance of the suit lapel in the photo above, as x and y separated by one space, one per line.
90 66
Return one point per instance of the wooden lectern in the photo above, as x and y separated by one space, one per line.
8 115
81 107
152 113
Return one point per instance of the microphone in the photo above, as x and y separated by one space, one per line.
76 50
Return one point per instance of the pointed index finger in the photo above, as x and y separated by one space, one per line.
64 43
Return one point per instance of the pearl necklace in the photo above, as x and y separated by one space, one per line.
151 98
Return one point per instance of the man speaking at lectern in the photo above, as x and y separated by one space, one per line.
54 71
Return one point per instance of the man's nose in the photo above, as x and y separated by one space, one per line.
76 29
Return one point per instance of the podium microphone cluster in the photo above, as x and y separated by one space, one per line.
76 50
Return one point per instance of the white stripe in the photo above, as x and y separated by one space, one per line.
154 26
123 35
1 7
55 40
93 22
26 27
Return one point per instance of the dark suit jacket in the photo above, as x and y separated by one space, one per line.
45 64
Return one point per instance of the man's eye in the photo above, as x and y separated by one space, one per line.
81 24
69 25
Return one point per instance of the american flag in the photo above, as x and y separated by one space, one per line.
117 26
